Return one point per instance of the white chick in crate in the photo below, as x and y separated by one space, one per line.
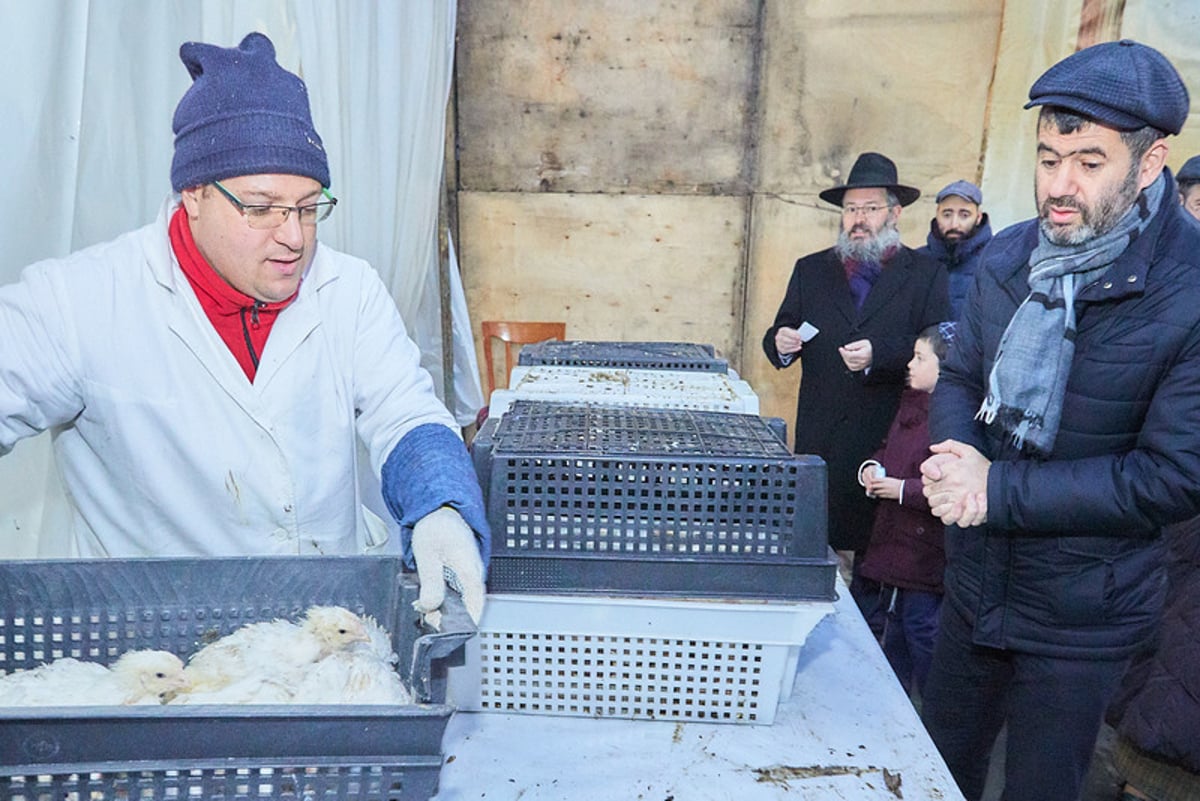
137 677
271 650
364 673
359 672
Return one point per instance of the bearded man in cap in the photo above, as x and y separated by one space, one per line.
851 314
1066 425
209 378
957 233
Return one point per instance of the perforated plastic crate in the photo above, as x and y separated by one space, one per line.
656 389
613 500
648 355
638 658
98 609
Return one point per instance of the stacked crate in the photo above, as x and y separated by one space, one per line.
96 610
648 563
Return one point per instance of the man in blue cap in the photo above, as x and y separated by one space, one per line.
957 233
1066 425
210 378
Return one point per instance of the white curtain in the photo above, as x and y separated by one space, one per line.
89 92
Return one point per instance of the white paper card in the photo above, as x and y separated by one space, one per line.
807 331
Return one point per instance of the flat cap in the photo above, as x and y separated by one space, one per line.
1190 171
1124 85
964 189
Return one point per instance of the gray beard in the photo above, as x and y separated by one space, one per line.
869 250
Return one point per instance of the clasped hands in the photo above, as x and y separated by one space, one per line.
954 480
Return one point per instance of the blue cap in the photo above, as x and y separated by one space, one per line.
1189 172
964 189
1123 85
243 115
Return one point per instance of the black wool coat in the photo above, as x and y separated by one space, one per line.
842 416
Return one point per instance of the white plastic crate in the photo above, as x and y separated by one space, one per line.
662 389
638 658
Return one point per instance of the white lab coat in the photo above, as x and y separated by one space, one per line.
164 447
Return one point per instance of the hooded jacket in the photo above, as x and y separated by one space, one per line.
960 259
1069 562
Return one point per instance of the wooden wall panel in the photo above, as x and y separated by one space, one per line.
612 96
840 78
614 267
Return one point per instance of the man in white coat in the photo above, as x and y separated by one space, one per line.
208 378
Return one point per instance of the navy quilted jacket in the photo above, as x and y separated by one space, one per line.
1070 560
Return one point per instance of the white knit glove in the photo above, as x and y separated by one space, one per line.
445 551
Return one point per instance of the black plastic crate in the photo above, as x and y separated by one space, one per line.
642 355
662 502
98 609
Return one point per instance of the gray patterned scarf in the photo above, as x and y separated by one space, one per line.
1029 376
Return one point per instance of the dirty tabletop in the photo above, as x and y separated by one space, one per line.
847 732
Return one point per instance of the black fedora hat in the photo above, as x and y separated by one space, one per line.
872 171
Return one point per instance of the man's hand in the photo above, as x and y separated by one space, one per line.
955 483
445 551
787 340
857 355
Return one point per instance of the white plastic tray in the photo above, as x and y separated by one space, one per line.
664 389
636 658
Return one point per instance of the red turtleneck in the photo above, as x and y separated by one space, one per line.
242 322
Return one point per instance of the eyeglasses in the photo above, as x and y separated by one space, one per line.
870 209
259 216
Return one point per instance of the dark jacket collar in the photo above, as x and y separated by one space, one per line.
1126 276
951 254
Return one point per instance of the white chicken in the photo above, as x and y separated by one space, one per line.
137 677
358 671
364 673
260 654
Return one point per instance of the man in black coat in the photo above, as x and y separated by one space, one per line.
1066 430
850 315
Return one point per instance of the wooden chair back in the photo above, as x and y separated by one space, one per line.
513 334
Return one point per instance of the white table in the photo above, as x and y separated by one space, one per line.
846 721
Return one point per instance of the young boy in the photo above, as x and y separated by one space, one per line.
906 555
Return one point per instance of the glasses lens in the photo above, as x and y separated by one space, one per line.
322 211
311 215
265 216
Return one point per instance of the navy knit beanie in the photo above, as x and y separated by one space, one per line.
243 115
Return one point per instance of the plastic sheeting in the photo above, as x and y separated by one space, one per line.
86 145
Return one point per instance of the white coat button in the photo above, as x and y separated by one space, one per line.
287 507
1132 279
1108 284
